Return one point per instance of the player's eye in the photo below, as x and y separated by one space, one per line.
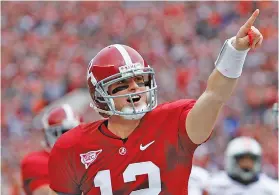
139 78
140 81
141 84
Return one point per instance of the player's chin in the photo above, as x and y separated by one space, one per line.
138 107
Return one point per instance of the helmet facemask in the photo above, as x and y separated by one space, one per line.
101 95
246 174
52 133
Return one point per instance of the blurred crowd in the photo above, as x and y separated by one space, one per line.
46 46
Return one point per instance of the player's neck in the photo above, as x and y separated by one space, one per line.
121 127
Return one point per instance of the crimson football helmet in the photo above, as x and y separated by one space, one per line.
58 121
111 65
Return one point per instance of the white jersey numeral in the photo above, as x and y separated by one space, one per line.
103 178
103 181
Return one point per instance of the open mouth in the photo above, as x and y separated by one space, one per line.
134 98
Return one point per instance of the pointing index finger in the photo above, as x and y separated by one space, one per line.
252 19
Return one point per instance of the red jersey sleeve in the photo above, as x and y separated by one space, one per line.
181 108
61 172
34 172
182 129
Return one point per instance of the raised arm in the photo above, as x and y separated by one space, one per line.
222 81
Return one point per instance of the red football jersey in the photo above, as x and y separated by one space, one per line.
34 171
155 159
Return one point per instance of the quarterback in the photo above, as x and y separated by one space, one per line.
34 166
141 147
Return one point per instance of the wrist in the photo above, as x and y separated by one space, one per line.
232 43
230 60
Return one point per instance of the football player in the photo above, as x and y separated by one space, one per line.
242 173
34 166
142 148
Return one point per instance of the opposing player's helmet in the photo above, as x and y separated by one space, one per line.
58 121
237 148
111 65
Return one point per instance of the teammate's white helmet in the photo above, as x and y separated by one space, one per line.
238 147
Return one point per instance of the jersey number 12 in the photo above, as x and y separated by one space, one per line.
103 178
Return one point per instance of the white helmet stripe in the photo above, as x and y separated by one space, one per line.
44 121
124 54
68 111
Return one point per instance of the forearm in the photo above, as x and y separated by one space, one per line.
207 108
219 88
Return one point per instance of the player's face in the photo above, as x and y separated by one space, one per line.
126 86
246 162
